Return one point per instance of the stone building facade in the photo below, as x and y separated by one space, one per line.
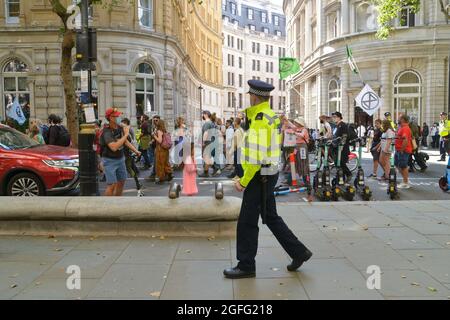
253 40
409 70
153 56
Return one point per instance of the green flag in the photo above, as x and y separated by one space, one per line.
288 66
351 61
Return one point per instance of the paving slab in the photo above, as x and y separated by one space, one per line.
342 229
203 249
150 251
403 238
131 281
368 216
15 276
320 212
93 264
443 240
366 252
334 279
104 243
55 289
435 262
269 289
189 279
425 225
405 283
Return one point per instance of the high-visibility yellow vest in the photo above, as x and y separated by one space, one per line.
444 128
261 149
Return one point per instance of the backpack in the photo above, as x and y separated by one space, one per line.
166 141
63 136
145 141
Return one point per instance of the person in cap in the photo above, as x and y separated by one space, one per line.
387 116
112 141
444 133
260 155
342 131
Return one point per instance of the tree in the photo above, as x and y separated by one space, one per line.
389 10
67 45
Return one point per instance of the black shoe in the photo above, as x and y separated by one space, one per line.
236 273
441 159
297 263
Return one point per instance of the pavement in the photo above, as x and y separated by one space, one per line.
408 240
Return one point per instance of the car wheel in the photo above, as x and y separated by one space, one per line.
25 185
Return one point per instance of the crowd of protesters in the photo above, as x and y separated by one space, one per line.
119 148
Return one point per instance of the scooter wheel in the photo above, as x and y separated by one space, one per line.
349 193
393 195
366 194
443 184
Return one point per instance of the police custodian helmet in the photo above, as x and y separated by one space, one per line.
260 88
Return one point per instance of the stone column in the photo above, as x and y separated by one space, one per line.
346 105
132 100
308 41
345 16
433 90
321 23
386 90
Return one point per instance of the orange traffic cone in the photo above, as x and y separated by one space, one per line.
293 173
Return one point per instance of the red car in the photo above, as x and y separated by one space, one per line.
31 169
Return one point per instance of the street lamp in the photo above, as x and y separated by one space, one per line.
200 88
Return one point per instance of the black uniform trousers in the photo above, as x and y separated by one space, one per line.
247 227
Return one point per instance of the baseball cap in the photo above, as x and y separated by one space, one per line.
443 113
387 114
207 113
337 114
112 112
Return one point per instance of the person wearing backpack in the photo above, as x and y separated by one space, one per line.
163 145
57 133
343 132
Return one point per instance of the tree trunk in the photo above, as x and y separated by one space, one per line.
67 45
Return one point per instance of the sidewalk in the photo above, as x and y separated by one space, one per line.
409 241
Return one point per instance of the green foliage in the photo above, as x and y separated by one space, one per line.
389 10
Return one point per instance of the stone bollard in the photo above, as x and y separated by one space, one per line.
219 194
174 191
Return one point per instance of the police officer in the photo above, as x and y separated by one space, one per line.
444 133
387 116
260 154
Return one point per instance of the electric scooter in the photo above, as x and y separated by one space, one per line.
360 183
322 178
444 182
392 190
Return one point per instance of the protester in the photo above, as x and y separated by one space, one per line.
57 133
152 150
145 141
228 141
342 132
434 133
190 172
180 135
425 133
35 134
388 134
325 128
375 147
163 145
113 139
403 150
209 134
361 131
370 135
301 157
415 131
236 143
129 161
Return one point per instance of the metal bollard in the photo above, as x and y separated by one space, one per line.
88 161
219 194
174 191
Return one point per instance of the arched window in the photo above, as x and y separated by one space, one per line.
334 96
408 94
15 85
145 89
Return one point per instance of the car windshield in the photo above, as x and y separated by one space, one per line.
11 139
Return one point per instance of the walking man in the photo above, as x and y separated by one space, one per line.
260 157
444 133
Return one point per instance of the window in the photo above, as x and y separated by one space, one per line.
224 6
258 65
271 67
253 65
240 80
15 85
278 33
276 20
233 8
240 100
145 12
408 95
366 17
145 89
264 17
252 27
250 14
266 30
12 11
407 17
253 47
257 48
240 62
267 66
334 96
